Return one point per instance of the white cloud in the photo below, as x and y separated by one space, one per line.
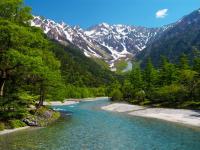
161 13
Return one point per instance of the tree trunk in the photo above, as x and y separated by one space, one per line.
2 83
42 95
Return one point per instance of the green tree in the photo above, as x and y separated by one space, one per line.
26 66
167 73
136 83
116 95
196 61
184 62
188 78
127 89
169 94
136 78
150 77
14 10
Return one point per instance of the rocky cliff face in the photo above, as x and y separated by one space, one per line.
104 41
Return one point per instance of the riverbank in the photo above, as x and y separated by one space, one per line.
41 117
183 116
72 101
7 131
58 103
45 116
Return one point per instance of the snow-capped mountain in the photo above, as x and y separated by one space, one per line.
108 42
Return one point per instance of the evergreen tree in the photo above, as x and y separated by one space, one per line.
184 62
196 62
150 77
168 73
136 81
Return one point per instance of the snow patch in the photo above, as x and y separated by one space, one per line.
68 36
105 25
86 53
94 53
89 33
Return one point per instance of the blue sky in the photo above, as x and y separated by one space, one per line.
131 12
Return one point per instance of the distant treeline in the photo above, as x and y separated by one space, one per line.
169 85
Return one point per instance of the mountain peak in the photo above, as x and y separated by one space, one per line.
63 24
108 42
105 25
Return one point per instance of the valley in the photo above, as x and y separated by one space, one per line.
130 84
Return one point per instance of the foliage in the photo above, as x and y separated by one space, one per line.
171 93
16 124
116 95
140 95
169 85
45 116
80 71
121 65
55 116
15 11
2 126
35 69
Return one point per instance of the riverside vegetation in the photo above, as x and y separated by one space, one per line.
34 69
169 85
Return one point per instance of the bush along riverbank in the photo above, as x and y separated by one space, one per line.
171 85
40 117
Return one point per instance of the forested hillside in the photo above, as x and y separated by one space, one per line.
83 76
182 37
80 70
34 69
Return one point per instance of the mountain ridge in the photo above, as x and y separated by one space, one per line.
117 42
183 38
108 42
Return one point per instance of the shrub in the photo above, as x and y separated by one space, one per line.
190 104
140 95
170 93
41 111
2 126
49 117
55 115
16 124
116 95
45 116
145 102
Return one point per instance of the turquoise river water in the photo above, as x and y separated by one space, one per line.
90 128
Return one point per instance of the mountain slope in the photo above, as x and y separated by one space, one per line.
80 70
183 37
107 42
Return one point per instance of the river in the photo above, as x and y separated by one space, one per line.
90 128
129 67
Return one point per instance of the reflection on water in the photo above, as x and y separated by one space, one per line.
90 128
